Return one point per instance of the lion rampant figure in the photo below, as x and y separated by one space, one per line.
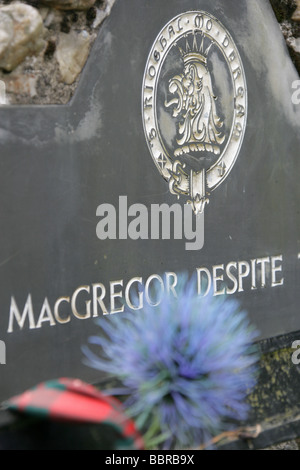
200 129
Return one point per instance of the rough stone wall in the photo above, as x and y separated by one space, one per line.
43 66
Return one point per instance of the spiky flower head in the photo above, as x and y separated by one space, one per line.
186 365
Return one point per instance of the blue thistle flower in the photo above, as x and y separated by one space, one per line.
186 365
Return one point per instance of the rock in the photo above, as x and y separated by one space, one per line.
24 84
294 43
71 53
70 4
288 15
21 34
49 86
3 99
103 13
290 445
296 15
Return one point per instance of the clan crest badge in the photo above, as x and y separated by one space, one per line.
194 105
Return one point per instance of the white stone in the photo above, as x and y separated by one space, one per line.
6 32
71 53
21 34
24 84
102 14
295 44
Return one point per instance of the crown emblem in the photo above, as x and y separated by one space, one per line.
195 53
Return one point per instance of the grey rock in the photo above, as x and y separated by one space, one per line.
21 34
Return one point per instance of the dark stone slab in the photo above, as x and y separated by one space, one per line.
59 163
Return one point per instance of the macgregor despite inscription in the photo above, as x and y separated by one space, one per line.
90 301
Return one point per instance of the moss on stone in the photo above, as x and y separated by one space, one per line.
275 390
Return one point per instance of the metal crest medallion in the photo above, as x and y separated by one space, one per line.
194 105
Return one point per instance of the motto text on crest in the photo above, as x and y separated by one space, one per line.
194 105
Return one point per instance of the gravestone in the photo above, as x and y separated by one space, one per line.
183 103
